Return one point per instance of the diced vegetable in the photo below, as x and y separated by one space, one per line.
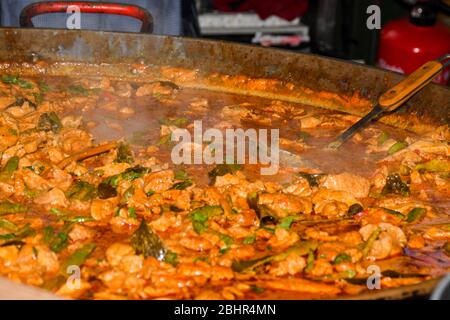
7 207
369 243
9 79
182 185
7 171
80 90
286 222
8 225
79 256
396 147
395 213
303 249
82 191
57 241
107 188
384 136
221 170
171 257
49 121
446 248
185 182
394 184
415 215
200 216
14 238
434 166
146 242
79 219
310 261
313 179
342 257
250 239
177 122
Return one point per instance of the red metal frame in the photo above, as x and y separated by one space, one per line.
44 7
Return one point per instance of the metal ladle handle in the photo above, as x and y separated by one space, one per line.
416 81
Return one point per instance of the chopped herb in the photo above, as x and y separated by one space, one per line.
8 225
286 222
9 79
200 216
7 207
416 214
43 86
177 122
127 195
132 213
107 188
146 242
396 147
59 241
384 136
49 121
342 257
221 170
124 154
171 257
22 233
250 239
256 289
8 170
394 213
182 185
165 140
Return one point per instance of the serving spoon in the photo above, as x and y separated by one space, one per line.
397 96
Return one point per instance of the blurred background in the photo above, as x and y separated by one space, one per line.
412 31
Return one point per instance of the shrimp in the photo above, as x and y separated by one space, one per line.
389 243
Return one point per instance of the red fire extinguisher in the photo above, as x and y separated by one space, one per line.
408 43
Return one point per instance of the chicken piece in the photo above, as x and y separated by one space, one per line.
299 187
292 265
54 197
75 140
6 101
310 122
353 184
326 195
80 233
102 210
284 205
159 181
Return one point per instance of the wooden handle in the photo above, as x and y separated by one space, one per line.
404 90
